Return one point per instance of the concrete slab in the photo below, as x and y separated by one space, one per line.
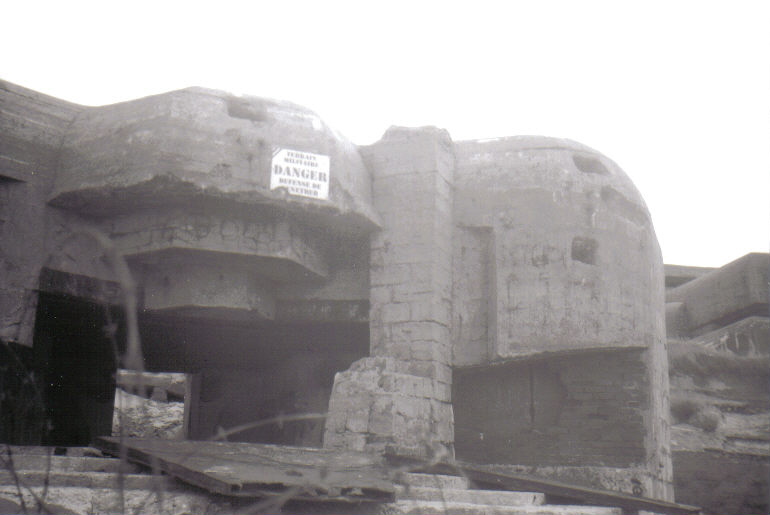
458 508
494 497
677 275
747 337
40 450
108 501
34 478
735 291
197 145
434 481
72 464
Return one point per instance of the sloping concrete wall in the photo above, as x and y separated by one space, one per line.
576 261
32 127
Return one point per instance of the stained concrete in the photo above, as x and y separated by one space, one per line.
428 255
730 293
401 397
555 257
33 127
576 261
203 144
718 353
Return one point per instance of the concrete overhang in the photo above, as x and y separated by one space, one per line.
196 145
280 250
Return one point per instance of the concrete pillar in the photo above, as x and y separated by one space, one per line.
400 398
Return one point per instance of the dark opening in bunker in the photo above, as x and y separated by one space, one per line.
75 346
246 373
584 250
589 164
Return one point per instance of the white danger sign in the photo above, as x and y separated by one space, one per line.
301 173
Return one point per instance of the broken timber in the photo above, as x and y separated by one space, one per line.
260 470
488 478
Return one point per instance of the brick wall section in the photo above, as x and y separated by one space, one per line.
411 259
402 395
592 409
383 403
584 409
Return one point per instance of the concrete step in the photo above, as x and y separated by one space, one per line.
69 463
36 478
107 501
458 508
39 450
433 481
496 497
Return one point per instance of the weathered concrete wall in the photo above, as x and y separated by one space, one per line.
657 422
180 183
411 262
343 296
677 275
552 251
190 285
718 352
32 235
473 294
44 138
268 267
591 410
577 264
22 251
401 397
734 291
198 144
587 410
348 274
561 411
488 252
749 336
188 259
555 253
33 127
140 234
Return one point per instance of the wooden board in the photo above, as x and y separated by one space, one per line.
258 470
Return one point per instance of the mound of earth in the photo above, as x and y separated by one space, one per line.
720 436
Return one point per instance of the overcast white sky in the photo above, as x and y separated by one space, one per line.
676 92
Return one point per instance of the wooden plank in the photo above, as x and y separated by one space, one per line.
521 482
257 470
191 402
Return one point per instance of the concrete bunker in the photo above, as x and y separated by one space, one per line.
427 268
